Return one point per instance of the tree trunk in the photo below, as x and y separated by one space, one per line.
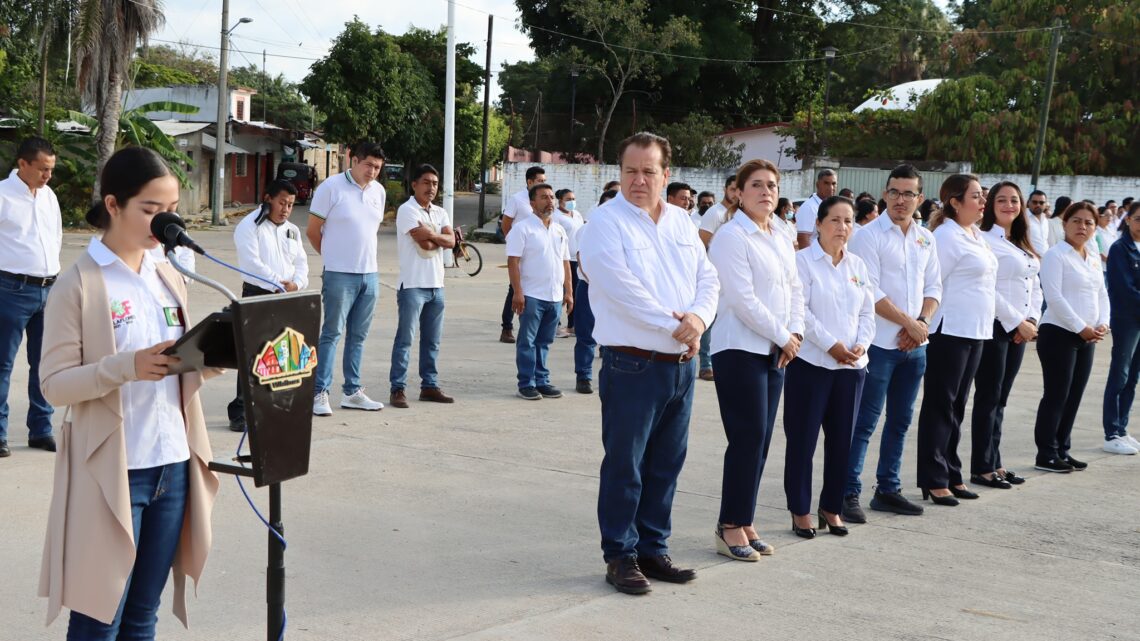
609 115
45 45
108 114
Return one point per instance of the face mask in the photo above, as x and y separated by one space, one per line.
703 209
788 215
571 205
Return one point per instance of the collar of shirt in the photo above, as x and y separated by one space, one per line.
371 184
816 252
104 256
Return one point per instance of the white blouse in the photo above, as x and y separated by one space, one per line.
839 306
1018 288
144 313
969 283
761 301
1075 294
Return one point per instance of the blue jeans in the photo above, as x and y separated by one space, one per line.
584 342
22 310
158 503
423 307
349 300
703 356
893 377
645 433
1120 387
536 332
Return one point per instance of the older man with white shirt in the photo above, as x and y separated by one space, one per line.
653 292
31 235
826 183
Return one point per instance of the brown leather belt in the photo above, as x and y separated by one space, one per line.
38 281
663 357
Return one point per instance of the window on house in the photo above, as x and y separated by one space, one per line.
240 110
240 164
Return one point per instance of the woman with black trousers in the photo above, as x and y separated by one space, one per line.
1075 320
825 381
1005 227
963 322
758 330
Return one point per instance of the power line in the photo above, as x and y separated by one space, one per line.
271 55
889 28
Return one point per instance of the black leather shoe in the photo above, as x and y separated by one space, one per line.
1013 478
45 443
1077 465
963 493
626 577
893 502
4 451
237 425
995 481
852 512
584 387
661 568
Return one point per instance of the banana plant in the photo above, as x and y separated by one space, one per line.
138 130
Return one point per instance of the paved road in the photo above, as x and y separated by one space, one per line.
476 521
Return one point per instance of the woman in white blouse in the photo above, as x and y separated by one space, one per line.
825 381
963 322
758 330
1075 320
1006 228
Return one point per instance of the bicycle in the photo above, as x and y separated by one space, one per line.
466 256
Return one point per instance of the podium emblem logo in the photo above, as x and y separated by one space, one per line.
285 361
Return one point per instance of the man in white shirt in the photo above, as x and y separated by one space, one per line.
714 217
538 261
653 292
903 268
423 233
826 184
1038 221
678 194
268 246
571 220
705 202
31 236
517 210
344 219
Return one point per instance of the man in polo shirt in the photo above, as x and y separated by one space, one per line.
826 183
654 291
344 218
423 232
31 235
538 261
517 210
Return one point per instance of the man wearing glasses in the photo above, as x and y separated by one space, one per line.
903 268
1038 221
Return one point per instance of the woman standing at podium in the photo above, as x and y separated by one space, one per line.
133 493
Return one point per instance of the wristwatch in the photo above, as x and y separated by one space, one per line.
922 319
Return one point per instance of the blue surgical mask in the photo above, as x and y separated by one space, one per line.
571 205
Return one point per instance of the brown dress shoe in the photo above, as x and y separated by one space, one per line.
398 399
507 336
705 375
626 577
434 395
661 567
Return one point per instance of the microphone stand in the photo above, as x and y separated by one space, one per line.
209 282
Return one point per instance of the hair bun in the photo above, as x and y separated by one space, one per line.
98 216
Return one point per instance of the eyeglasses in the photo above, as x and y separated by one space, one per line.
894 194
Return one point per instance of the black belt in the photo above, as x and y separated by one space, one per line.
38 281
664 357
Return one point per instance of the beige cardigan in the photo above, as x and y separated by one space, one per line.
89 549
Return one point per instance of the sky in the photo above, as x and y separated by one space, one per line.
294 33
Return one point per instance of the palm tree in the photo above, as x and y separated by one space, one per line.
109 31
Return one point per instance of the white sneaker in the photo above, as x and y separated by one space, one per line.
1131 441
562 333
359 401
1119 445
321 404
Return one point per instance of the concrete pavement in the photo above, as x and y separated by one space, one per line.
477 521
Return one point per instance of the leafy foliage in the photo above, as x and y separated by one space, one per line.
888 135
695 143
138 130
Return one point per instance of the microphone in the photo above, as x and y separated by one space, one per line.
170 230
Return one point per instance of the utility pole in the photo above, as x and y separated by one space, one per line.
537 126
264 96
486 123
223 113
573 96
449 117
1045 100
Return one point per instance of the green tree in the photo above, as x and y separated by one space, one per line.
695 143
135 129
186 58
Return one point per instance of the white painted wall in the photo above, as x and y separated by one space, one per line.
766 144
1098 189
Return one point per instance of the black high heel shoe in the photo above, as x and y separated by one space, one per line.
939 500
963 493
837 530
996 481
802 532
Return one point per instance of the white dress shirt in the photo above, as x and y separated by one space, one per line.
969 283
31 229
713 218
1018 288
541 250
1038 232
641 272
273 252
571 222
1075 294
352 218
902 267
696 217
416 268
761 299
144 313
805 215
839 306
518 207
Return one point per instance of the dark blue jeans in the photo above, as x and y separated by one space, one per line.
645 434
1120 386
748 389
583 333
706 341
819 397
158 503
893 377
420 307
536 332
22 310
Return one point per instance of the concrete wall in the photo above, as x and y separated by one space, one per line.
1098 189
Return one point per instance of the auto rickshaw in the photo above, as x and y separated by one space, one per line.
302 175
